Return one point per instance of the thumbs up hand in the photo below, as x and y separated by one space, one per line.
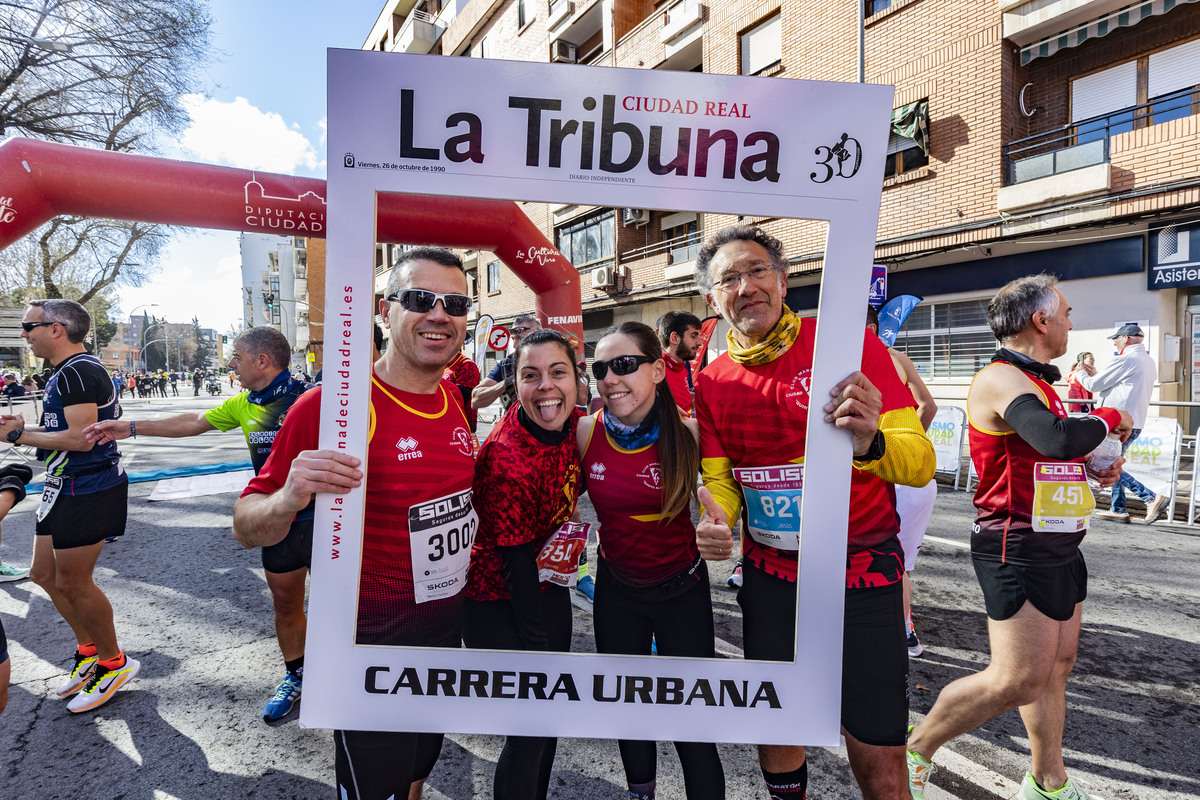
713 536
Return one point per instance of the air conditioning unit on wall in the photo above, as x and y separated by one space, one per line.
562 51
602 278
635 216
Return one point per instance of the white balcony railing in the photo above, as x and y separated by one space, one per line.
418 34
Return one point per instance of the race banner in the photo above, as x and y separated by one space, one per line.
483 330
946 433
645 139
1153 457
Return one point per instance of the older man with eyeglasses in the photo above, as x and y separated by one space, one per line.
753 405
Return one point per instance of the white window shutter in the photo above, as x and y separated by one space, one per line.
1104 92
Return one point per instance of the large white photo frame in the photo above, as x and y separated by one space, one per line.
807 150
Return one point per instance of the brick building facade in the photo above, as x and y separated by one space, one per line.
1011 180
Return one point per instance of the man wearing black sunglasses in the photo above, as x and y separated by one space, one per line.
420 453
500 382
84 501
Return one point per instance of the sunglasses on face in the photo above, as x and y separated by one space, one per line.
621 365
422 301
29 326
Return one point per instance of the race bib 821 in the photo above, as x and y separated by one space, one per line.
773 504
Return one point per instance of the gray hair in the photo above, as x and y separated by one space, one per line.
735 233
438 255
71 315
265 340
1011 311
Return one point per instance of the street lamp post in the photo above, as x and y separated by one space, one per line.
129 358
142 354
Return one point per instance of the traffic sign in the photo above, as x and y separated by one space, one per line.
498 340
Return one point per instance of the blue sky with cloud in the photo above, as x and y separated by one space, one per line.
261 105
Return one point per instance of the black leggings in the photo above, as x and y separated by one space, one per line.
625 621
376 765
523 769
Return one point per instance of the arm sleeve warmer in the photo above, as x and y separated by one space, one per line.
1051 435
525 593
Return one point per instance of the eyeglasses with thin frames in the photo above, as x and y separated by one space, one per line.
732 281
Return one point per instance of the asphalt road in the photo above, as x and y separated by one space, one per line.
192 605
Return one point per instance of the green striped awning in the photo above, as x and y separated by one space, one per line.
1121 18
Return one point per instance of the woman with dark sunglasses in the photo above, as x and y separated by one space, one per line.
642 458
527 481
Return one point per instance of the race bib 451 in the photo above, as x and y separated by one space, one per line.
1062 500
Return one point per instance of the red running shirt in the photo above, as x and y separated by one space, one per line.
678 381
626 490
755 416
419 448
524 490
1004 499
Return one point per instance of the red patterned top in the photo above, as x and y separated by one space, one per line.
463 373
524 490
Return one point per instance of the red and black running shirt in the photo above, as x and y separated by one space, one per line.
419 449
625 487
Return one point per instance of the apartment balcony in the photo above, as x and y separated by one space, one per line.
574 21
1073 161
418 34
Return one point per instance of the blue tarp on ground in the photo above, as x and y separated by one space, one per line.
173 472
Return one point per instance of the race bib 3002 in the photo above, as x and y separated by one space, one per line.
440 534
773 504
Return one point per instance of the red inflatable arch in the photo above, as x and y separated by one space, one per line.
40 180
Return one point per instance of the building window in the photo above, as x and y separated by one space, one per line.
1114 100
589 240
875 6
520 14
681 236
761 46
493 279
948 340
908 144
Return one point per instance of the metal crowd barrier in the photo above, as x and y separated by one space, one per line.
1176 474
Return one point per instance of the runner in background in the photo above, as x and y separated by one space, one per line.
1033 507
679 335
641 461
527 482
84 502
463 373
913 504
260 360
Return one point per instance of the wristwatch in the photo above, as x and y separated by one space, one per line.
14 435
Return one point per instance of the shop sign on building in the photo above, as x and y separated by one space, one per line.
1174 257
